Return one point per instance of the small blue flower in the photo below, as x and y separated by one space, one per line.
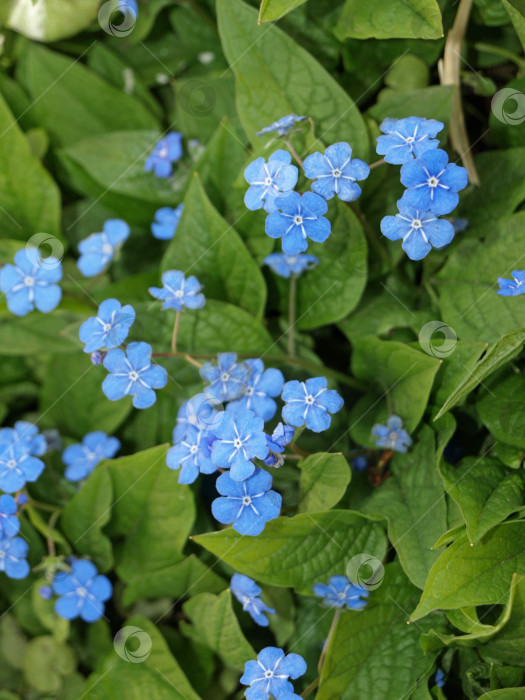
82 592
9 523
46 592
81 458
288 265
433 183
298 217
439 678
98 249
31 282
268 180
310 403
335 173
166 223
420 230
281 436
27 436
513 287
109 328
17 466
269 674
167 151
247 593
360 463
392 436
131 373
282 126
13 553
248 504
407 138
460 224
179 293
340 592
240 438
227 378
203 411
191 455
22 499
97 358
258 389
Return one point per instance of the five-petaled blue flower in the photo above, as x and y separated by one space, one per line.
433 183
247 593
166 223
9 523
282 126
268 180
407 138
513 287
258 389
420 230
98 249
269 674
310 403
203 411
192 455
288 265
81 458
13 553
131 373
240 438
17 466
178 292
227 378
277 441
82 592
335 173
31 282
298 217
27 436
392 436
167 151
109 328
247 504
340 592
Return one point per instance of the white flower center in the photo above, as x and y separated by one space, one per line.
268 673
163 152
225 377
298 220
29 281
11 464
416 223
107 327
82 592
237 443
133 376
194 449
91 455
107 249
246 501
179 293
433 181
291 260
392 436
309 399
268 181
249 391
409 139
336 172
341 594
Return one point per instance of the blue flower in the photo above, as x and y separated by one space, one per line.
513 287
439 678
9 523
203 411
258 389
82 592
247 593
392 436
97 357
433 183
310 403
420 230
179 293
17 466
240 438
31 282
460 224
167 151
109 328
46 592
227 378
281 436
269 180
131 373
335 173
13 553
298 217
191 455
27 436
269 674
83 457
407 138
282 126
248 504
360 463
287 265
340 592
166 223
98 249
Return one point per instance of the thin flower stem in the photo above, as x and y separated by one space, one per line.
371 237
175 333
377 163
313 685
327 642
51 525
294 152
44 506
291 315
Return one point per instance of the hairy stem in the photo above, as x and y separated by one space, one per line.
291 315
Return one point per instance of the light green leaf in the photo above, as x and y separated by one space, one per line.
46 661
508 646
504 694
404 19
49 20
271 10
323 482
502 410
516 10
433 102
37 334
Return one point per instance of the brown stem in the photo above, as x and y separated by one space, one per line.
313 685
377 163
175 333
294 152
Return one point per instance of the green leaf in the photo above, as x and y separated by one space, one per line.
504 694
209 247
516 10
508 645
299 551
37 334
404 19
46 661
50 20
433 102
215 625
271 10
262 59
323 482
502 410
363 658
